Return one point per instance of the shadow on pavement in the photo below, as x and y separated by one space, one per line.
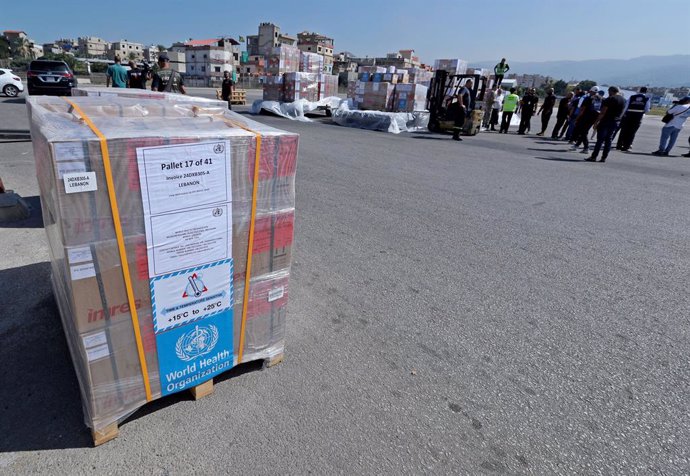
41 403
35 220
433 137
19 100
561 159
549 150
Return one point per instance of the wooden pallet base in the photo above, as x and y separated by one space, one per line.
109 433
112 431
238 102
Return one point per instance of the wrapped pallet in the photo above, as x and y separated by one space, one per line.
453 66
283 59
310 86
135 93
372 96
158 214
273 88
310 63
409 98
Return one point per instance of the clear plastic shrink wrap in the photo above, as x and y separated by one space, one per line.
183 176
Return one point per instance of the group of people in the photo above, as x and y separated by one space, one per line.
580 112
166 79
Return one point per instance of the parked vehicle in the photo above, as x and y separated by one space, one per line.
10 84
50 77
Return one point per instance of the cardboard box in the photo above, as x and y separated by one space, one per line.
311 63
409 98
453 66
283 59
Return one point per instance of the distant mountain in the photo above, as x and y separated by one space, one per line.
670 71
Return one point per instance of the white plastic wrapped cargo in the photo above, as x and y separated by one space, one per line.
148 207
393 122
295 110
134 93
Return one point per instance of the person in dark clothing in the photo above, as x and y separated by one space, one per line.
562 117
546 110
499 71
574 110
589 110
528 107
136 77
167 79
456 111
636 107
226 88
607 123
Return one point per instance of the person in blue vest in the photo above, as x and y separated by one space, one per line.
636 107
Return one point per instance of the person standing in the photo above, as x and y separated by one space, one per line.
528 107
455 111
489 98
510 104
499 71
116 75
135 77
226 88
677 116
562 116
607 123
574 108
167 79
546 110
589 111
636 107
496 109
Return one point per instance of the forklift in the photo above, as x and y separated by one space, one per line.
444 86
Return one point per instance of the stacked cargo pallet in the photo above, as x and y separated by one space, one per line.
158 212
390 89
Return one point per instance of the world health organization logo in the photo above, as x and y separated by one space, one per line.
197 342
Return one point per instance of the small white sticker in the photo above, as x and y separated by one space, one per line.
82 271
70 168
80 182
69 151
94 340
99 352
79 255
276 293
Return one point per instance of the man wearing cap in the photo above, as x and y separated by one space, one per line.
636 107
589 110
607 123
678 114
167 79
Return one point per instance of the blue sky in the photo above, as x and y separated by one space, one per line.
530 30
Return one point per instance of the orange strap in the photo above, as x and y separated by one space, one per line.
120 244
252 222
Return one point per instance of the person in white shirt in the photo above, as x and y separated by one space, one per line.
496 109
669 133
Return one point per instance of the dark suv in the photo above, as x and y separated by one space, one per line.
50 77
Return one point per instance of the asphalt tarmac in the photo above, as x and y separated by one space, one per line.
491 306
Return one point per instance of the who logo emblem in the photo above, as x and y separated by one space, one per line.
199 341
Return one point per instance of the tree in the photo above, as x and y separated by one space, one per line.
22 47
161 48
560 87
586 85
132 56
4 48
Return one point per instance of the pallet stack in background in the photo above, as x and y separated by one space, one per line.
124 358
283 59
389 89
303 79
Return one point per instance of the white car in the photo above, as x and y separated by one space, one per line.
10 84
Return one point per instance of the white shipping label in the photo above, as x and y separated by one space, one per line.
80 182
275 294
96 339
71 151
82 271
96 353
79 255
184 176
189 238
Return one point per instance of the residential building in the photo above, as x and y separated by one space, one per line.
409 56
178 60
254 65
126 50
68 45
530 80
21 45
403 59
310 42
151 53
342 63
207 60
92 47
268 38
14 35
52 48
